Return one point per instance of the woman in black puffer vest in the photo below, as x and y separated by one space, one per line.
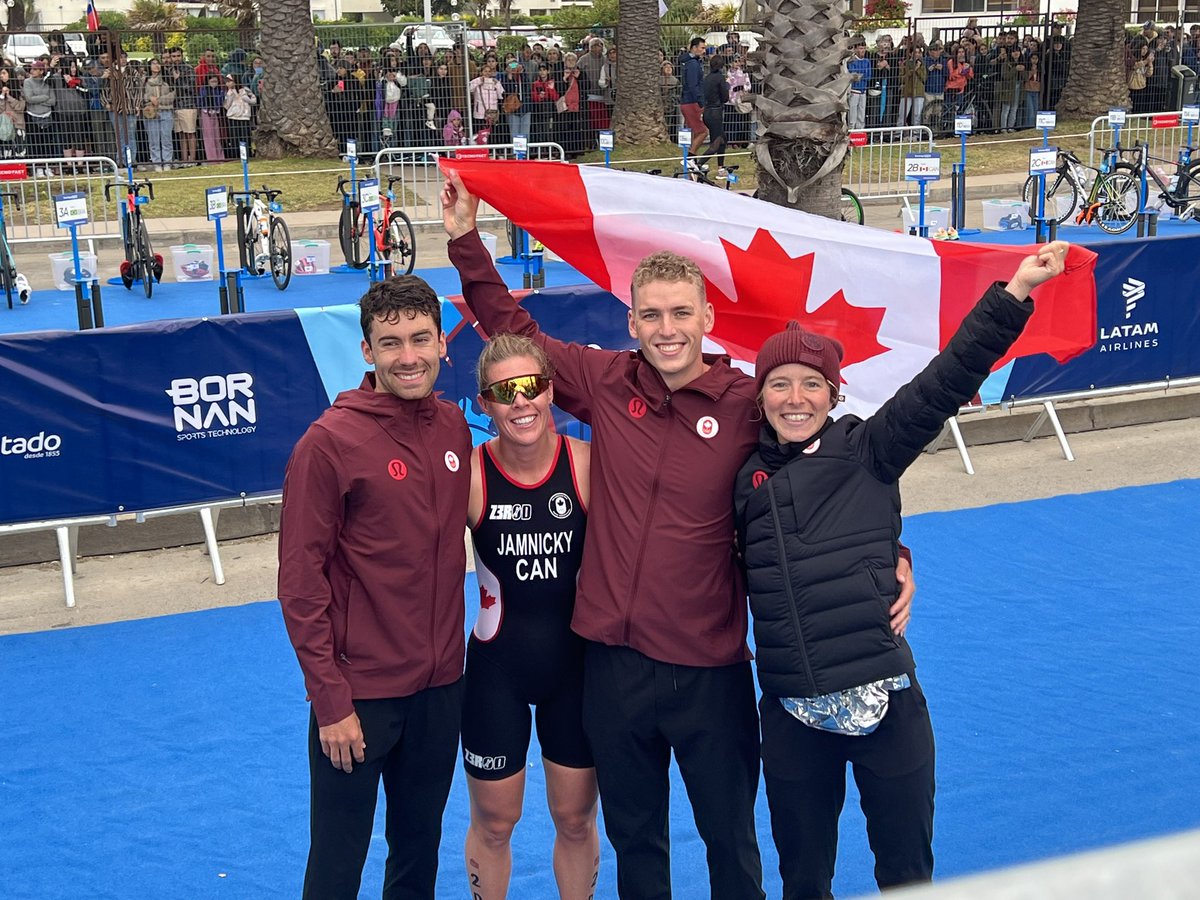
818 518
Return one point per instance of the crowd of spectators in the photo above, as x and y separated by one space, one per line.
174 112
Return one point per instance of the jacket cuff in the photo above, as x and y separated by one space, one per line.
332 703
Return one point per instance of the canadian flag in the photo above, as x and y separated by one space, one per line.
892 299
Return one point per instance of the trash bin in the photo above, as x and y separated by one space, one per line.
1185 91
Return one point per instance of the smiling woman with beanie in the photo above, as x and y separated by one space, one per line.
818 520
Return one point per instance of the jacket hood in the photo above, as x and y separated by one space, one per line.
238 55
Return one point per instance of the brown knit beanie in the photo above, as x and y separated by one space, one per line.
795 344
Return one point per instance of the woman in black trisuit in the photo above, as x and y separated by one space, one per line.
527 515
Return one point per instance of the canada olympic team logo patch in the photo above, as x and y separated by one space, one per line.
560 505
707 427
451 460
397 469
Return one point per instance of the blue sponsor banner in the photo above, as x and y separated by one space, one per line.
1147 318
151 416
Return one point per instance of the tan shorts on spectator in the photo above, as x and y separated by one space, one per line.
185 121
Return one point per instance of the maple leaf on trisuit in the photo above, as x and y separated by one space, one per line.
772 288
486 600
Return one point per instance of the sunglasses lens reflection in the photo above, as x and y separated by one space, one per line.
529 386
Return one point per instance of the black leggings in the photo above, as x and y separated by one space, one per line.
714 121
805 771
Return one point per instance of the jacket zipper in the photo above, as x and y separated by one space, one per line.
787 581
637 563
437 553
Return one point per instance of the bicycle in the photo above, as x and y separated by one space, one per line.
395 238
1070 181
351 231
1181 192
852 208
266 239
12 279
140 259
699 173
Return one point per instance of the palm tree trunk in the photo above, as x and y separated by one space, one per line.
638 113
1096 81
801 113
292 120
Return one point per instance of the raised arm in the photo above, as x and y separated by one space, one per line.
490 301
915 415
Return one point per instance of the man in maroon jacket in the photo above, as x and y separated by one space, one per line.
371 565
660 598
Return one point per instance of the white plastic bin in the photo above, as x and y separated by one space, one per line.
62 269
1005 215
490 241
310 257
935 217
193 262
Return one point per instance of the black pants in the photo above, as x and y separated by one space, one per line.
412 743
714 121
636 711
805 769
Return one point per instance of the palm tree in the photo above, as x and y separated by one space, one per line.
246 14
22 14
638 114
291 120
1096 81
801 112
158 18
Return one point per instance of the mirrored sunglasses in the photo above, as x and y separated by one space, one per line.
505 391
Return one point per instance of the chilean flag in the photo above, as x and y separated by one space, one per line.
93 18
892 299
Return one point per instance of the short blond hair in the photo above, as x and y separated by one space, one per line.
669 267
510 346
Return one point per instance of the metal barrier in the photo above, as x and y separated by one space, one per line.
35 220
1164 142
876 168
421 179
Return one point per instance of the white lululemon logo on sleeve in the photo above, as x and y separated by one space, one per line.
451 461
707 427
813 447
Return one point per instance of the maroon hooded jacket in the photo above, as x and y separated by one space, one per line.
659 572
371 550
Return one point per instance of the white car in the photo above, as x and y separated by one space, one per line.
25 48
76 43
749 38
435 36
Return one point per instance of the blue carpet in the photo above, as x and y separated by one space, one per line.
1056 639
1081 234
51 310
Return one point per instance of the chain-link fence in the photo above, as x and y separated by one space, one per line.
185 97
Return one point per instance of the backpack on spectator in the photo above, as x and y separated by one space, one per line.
512 102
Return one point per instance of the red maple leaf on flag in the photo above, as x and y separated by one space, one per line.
772 288
486 600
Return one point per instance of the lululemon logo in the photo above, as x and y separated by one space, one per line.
637 407
813 447
451 461
397 470
707 428
758 478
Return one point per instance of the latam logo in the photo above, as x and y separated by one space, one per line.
510 512
1133 291
37 446
213 406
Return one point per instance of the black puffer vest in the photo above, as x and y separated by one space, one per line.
819 522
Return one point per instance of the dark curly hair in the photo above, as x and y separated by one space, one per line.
407 294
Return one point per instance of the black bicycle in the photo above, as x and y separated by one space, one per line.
141 262
1181 192
8 266
701 173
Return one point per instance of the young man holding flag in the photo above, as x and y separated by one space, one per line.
660 600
